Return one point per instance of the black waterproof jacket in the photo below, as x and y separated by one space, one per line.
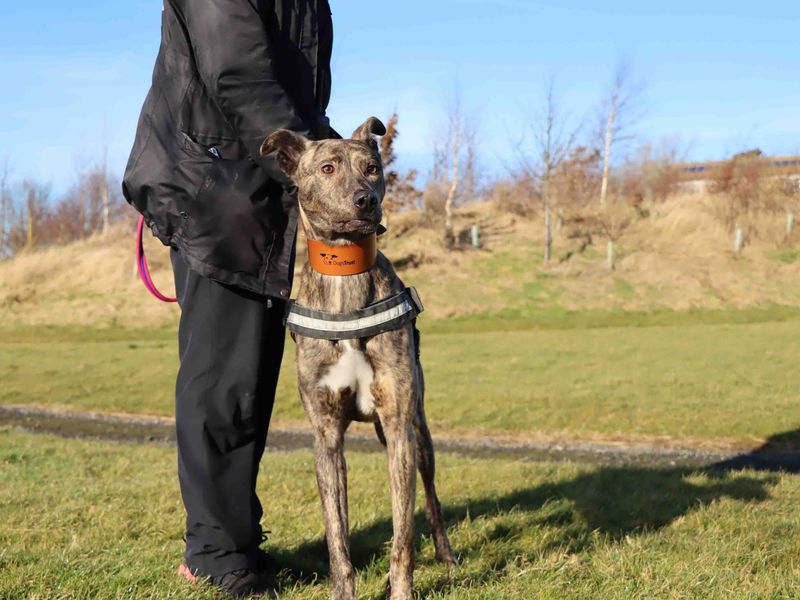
229 73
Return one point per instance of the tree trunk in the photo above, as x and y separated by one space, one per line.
548 232
2 226
548 212
106 207
738 240
612 113
3 218
449 237
82 208
5 210
31 216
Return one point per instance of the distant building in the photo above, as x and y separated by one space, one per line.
698 176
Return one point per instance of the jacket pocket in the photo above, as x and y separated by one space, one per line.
230 222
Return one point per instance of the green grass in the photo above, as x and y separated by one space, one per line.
81 519
712 379
623 289
553 317
786 255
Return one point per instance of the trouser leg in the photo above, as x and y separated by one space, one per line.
231 345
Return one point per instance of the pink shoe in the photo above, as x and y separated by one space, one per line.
184 572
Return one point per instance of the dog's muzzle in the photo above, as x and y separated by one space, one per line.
385 315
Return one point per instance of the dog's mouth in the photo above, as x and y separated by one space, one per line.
356 226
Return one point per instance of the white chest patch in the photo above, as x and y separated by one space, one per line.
352 371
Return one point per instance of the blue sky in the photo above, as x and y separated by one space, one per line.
720 76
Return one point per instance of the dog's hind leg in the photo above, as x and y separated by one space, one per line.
426 461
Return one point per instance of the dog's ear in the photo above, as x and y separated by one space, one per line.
289 147
367 129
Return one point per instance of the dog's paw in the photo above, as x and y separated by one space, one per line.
450 560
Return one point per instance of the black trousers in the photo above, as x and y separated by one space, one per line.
231 345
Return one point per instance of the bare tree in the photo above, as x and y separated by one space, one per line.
29 219
5 206
553 141
401 191
25 233
456 126
612 223
619 114
454 160
472 174
82 192
95 198
103 184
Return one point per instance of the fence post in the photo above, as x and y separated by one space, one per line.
738 241
789 224
476 242
610 255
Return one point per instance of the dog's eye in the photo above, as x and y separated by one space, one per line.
372 170
328 169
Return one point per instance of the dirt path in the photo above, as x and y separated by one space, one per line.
160 430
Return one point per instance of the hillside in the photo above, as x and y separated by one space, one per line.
677 257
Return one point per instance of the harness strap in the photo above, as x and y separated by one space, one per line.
385 315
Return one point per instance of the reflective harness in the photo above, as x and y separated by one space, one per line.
385 315
379 317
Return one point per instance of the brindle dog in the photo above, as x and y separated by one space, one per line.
374 379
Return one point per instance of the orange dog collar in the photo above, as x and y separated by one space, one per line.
343 260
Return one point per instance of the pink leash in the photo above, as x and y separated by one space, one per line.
144 271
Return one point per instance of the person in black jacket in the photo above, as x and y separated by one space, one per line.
228 73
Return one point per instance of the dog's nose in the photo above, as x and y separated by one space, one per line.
365 199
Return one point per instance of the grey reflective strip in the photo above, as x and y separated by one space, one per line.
354 324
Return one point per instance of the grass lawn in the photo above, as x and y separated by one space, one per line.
86 519
728 377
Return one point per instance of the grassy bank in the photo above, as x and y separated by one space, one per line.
724 377
83 519
677 258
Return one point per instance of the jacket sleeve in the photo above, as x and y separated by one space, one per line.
235 62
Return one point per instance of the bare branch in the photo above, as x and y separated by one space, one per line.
456 131
401 190
5 206
620 111
553 135
553 140
455 172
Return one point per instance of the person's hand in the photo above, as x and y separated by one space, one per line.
322 129
270 165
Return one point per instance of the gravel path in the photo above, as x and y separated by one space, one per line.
159 430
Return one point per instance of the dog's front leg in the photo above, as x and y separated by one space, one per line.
332 483
396 422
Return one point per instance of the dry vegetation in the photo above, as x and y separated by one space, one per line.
88 282
675 254
561 231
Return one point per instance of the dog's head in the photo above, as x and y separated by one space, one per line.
340 183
